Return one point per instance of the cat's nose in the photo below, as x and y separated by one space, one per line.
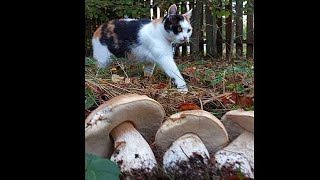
184 38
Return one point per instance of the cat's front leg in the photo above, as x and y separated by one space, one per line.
148 69
171 69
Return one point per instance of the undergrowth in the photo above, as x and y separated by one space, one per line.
214 85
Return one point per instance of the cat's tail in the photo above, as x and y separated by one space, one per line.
100 53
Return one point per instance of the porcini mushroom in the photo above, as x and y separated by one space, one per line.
189 134
239 153
130 121
237 121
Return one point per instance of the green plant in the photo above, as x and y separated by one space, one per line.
100 169
90 99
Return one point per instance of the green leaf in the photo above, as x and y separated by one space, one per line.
231 86
89 61
227 14
90 99
134 13
208 72
239 88
89 102
100 169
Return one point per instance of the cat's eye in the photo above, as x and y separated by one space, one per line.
179 29
189 30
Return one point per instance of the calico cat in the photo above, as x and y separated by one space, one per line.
146 41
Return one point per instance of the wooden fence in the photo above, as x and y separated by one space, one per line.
212 36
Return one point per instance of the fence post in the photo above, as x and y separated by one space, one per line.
229 30
250 39
219 33
211 32
239 28
184 10
176 48
196 35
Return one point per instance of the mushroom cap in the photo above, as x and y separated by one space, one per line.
202 123
144 113
243 118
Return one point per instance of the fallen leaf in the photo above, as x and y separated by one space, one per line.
127 80
161 86
188 106
113 69
116 78
241 100
225 98
189 71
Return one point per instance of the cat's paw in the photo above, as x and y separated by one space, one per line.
183 89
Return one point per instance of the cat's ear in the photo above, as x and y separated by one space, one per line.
188 14
172 10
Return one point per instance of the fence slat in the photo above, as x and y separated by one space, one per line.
219 33
239 28
228 30
211 33
196 32
184 10
250 39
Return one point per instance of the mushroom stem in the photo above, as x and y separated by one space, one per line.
131 149
238 155
183 149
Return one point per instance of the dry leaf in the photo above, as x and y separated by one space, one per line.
113 69
188 106
225 98
127 80
116 78
161 86
241 100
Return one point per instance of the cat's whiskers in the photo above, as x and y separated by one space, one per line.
190 41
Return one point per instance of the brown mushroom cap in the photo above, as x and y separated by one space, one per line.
242 118
202 123
144 113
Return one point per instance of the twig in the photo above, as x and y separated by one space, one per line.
121 66
201 103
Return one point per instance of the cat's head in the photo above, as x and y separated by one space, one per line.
178 25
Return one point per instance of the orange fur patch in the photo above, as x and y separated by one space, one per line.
110 33
97 33
157 21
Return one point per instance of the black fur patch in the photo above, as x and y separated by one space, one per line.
124 35
172 23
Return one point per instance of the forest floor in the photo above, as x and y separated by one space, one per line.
215 85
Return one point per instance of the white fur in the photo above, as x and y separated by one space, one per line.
180 37
155 48
100 53
158 49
